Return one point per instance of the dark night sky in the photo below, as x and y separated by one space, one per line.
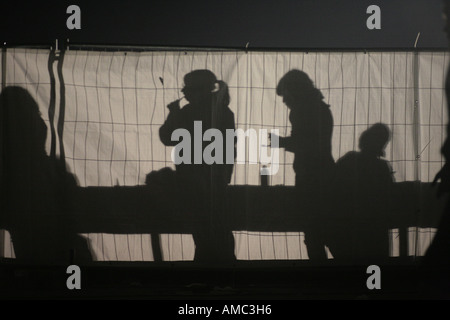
280 24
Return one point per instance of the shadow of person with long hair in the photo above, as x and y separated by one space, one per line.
35 188
363 181
435 266
310 141
201 184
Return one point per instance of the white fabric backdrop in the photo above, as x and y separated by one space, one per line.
116 102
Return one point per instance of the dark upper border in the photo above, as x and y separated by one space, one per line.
236 24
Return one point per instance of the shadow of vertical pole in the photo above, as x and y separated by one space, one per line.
52 104
417 151
2 160
3 68
403 241
156 247
62 109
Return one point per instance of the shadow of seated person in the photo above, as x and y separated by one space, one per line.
362 185
35 188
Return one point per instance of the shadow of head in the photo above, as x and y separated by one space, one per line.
295 86
199 85
22 126
373 141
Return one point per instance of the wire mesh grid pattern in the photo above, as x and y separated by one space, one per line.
115 103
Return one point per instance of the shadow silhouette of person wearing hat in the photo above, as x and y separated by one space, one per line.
200 185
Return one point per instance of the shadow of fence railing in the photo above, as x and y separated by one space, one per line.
142 209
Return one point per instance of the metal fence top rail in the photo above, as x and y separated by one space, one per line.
245 48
